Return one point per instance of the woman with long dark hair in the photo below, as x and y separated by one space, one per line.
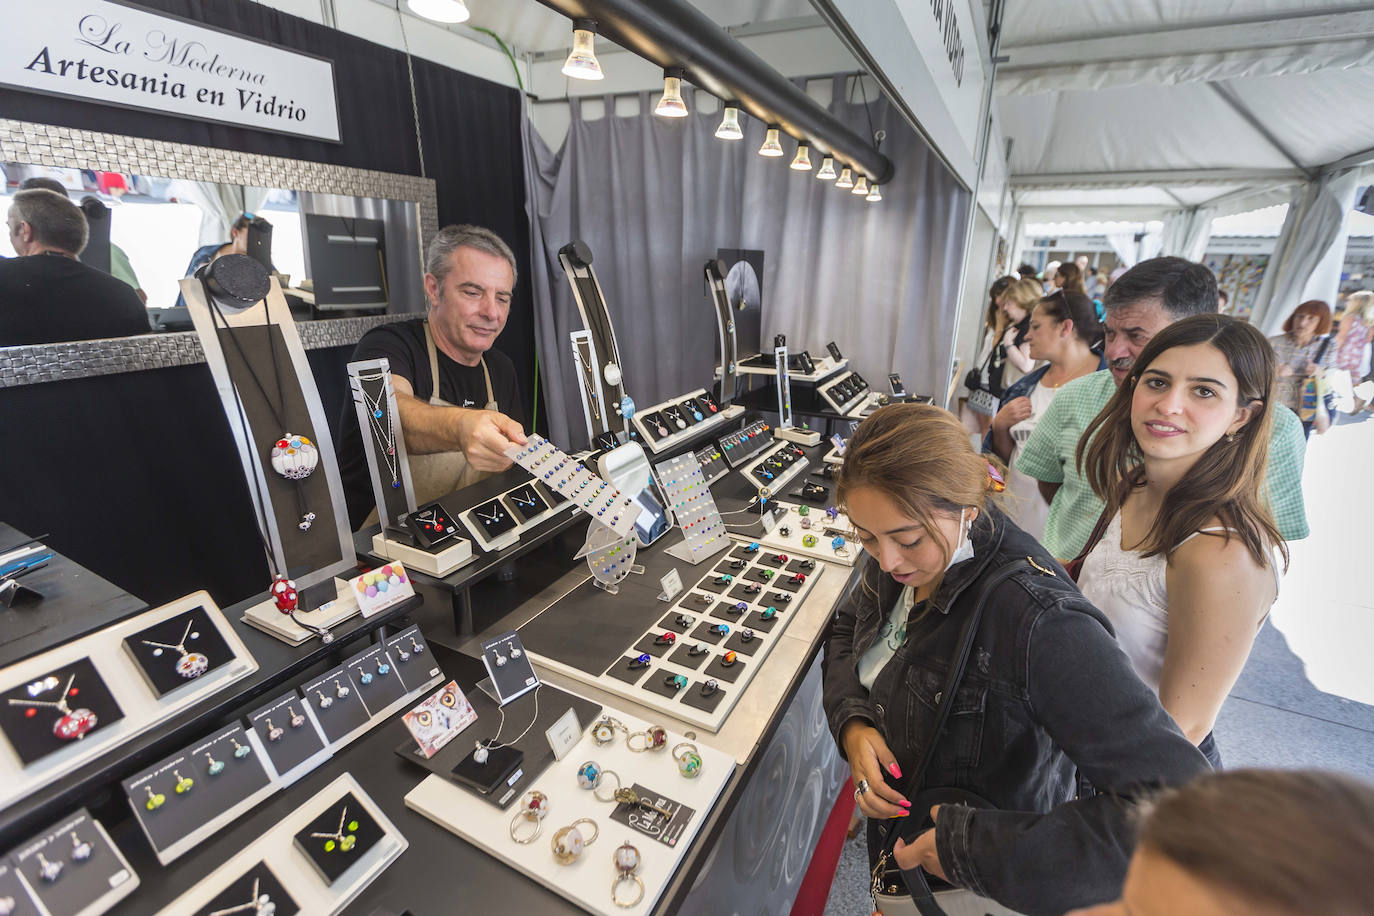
1044 692
1189 562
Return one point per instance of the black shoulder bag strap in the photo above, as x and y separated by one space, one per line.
922 896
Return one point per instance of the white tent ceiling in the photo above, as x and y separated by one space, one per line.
1195 102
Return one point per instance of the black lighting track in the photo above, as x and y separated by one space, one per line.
672 33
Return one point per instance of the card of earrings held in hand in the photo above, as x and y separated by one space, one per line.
178 650
572 480
339 837
57 710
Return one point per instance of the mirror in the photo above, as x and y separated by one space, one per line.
344 242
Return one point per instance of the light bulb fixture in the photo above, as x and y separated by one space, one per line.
846 178
771 147
729 128
874 195
827 169
802 161
671 105
861 186
446 11
582 63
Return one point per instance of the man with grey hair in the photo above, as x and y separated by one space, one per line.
458 399
1142 302
46 294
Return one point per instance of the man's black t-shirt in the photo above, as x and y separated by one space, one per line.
47 298
403 344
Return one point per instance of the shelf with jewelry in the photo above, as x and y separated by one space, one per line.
71 705
686 418
607 826
71 868
691 664
844 393
318 857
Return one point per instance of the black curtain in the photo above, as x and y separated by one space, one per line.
135 474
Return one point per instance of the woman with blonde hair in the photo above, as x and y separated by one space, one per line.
967 682
1188 561
1260 842
1357 327
1018 300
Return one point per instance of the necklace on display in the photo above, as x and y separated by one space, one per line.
74 723
496 516
593 403
486 746
676 417
338 839
260 904
293 456
384 434
190 664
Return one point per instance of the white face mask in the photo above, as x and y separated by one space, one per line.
964 551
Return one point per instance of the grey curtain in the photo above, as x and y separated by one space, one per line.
1187 232
655 198
1315 222
401 219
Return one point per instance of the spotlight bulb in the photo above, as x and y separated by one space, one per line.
827 170
447 11
846 178
771 147
671 105
874 195
802 161
860 186
729 128
582 63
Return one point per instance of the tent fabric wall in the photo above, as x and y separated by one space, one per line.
1187 232
1311 229
655 198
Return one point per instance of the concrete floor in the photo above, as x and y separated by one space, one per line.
1305 698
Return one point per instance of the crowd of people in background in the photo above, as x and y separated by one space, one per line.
1126 506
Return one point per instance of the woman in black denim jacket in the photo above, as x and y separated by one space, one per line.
1046 693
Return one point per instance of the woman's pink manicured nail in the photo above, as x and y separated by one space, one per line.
895 770
903 814
904 804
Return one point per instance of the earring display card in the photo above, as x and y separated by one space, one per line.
571 478
176 651
378 589
491 525
56 709
289 735
15 899
256 892
509 666
184 799
339 837
439 718
412 659
338 707
432 525
376 679
297 872
73 868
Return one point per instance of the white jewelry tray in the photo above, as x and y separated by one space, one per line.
670 441
142 710
277 848
792 544
587 881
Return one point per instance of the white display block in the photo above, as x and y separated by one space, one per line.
265 616
439 563
277 848
693 430
807 437
780 480
141 707
674 708
792 544
832 397
587 881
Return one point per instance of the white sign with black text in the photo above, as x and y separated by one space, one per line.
108 53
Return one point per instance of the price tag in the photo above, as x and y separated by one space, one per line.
672 585
770 520
564 733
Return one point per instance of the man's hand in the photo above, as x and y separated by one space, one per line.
921 852
484 436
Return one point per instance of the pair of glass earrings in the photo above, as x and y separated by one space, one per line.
50 870
365 676
340 691
275 733
415 648
501 659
